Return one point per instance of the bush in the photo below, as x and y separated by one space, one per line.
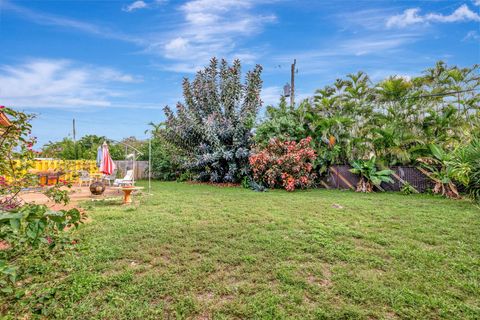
165 158
285 164
26 229
369 175
213 129
465 168
395 119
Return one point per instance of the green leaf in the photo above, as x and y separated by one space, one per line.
15 224
385 172
437 152
376 181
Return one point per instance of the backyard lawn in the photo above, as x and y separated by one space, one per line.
200 251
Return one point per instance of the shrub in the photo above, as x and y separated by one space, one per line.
214 126
465 168
473 187
165 158
369 175
285 164
26 229
441 171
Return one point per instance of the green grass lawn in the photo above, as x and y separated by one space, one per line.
199 251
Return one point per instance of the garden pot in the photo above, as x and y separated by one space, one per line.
97 188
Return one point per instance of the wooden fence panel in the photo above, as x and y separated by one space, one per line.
141 168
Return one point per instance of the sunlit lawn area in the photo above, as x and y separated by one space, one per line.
199 251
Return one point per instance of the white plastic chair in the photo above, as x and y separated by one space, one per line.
84 177
127 180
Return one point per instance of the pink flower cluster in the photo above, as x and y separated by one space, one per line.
285 164
3 182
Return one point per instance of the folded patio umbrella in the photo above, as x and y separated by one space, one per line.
107 166
99 156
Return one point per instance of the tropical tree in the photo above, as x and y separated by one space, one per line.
283 122
465 166
86 148
395 119
165 157
440 170
213 127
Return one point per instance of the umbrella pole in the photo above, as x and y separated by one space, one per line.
150 165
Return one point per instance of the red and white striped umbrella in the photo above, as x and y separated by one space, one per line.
107 165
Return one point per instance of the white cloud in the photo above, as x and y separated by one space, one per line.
208 28
408 17
462 13
59 84
371 19
476 2
412 16
211 28
54 20
271 95
346 51
140 4
472 35
135 6
372 45
176 47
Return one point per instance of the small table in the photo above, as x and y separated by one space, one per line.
127 198
97 176
45 177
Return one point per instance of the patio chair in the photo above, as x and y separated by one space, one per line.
127 180
84 177
110 178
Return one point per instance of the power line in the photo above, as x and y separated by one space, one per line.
442 94
445 93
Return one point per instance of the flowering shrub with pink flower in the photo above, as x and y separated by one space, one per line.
284 164
26 229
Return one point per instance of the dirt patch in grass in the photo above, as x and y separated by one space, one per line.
325 281
205 298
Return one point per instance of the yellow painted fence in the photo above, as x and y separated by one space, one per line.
70 168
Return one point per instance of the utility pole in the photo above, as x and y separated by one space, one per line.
75 140
292 94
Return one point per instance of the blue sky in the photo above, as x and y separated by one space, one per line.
113 65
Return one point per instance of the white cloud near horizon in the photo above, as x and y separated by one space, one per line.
271 95
412 16
59 84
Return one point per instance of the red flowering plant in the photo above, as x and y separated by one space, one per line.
285 164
